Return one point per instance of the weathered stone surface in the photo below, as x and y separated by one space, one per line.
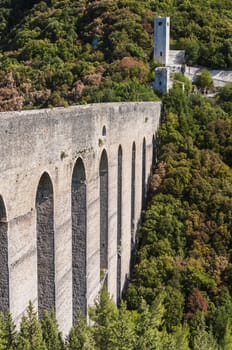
50 141
45 245
133 158
144 187
79 238
4 273
119 223
103 174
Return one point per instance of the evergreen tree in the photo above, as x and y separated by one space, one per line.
181 338
148 327
50 331
81 336
105 316
205 79
125 329
10 332
176 340
227 341
3 340
204 340
30 336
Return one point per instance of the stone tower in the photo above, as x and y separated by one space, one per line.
161 39
162 80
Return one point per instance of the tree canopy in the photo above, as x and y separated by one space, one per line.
62 52
186 235
56 53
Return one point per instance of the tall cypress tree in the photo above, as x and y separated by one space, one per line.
204 340
8 332
3 340
105 316
81 336
50 331
125 329
227 341
30 335
149 323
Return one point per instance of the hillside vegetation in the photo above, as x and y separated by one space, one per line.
57 53
180 293
186 238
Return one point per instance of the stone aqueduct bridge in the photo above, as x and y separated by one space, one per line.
72 185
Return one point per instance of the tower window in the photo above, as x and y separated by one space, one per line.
160 23
104 131
161 53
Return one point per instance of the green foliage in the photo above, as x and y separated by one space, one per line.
104 316
30 335
180 339
50 331
57 53
8 334
80 337
178 77
205 79
227 340
186 237
125 329
203 339
77 52
117 92
225 98
148 326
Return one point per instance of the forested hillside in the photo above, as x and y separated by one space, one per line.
186 238
180 292
56 53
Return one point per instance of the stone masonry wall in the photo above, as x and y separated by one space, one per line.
79 238
50 141
103 174
45 245
133 193
119 223
4 273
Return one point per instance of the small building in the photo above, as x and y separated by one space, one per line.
173 61
162 80
161 39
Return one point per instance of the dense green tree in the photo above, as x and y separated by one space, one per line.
9 331
57 53
66 52
185 245
3 338
179 77
125 329
50 331
148 325
205 79
81 336
225 98
203 339
181 338
104 315
227 340
30 335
